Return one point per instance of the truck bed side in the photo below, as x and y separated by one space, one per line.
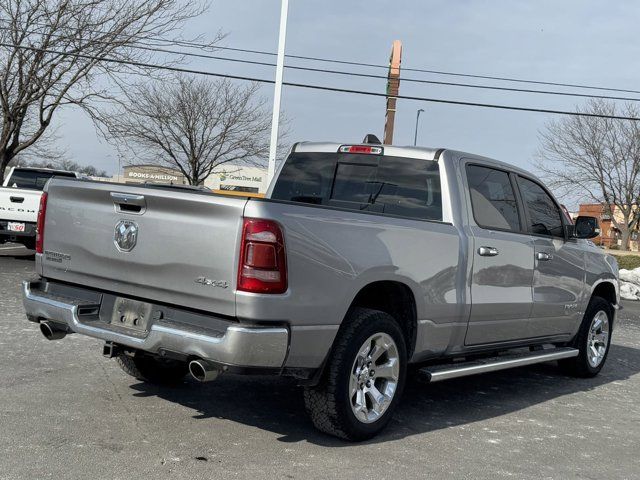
333 254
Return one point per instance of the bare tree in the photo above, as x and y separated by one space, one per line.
46 150
62 164
597 159
54 53
193 125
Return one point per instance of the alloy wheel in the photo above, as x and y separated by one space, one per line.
374 377
598 339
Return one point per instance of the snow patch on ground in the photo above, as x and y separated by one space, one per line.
630 284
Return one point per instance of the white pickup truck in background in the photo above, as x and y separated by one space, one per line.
19 200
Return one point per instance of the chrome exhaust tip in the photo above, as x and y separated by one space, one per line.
51 331
203 371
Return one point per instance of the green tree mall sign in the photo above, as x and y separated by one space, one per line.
224 177
238 178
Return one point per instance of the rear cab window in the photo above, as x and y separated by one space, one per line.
34 179
398 186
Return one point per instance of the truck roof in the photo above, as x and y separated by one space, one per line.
419 153
423 153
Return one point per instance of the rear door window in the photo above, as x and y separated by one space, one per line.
389 185
493 199
545 217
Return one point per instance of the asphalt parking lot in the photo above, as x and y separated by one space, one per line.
66 412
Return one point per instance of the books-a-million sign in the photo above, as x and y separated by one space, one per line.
152 174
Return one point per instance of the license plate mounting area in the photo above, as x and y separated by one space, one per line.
131 314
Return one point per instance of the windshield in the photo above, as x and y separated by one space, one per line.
400 186
34 179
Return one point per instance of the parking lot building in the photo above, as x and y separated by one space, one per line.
610 236
150 174
229 178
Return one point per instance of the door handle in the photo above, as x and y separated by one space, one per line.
127 203
128 199
543 256
17 199
488 251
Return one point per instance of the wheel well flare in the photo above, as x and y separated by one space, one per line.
607 291
395 299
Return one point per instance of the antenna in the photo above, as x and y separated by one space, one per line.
371 139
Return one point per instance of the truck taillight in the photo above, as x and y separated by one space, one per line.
42 212
263 264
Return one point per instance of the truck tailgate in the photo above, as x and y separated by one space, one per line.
185 253
18 204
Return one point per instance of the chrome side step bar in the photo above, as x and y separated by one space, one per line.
437 373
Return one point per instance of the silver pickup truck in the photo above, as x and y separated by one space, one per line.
362 259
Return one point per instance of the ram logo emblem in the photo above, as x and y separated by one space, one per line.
126 235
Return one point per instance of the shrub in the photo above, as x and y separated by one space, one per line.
628 262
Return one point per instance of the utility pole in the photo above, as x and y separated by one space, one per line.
415 137
275 119
393 86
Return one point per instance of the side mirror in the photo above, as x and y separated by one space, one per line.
586 227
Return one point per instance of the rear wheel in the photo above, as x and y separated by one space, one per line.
593 340
153 369
364 378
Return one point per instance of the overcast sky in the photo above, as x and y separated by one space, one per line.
577 41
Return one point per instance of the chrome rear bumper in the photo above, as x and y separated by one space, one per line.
238 346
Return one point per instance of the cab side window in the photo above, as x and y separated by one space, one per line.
544 214
492 198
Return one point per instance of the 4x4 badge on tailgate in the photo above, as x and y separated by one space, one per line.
126 235
212 283
57 257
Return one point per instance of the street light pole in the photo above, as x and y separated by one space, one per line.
273 146
415 137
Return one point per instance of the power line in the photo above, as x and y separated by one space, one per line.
190 44
455 74
420 70
321 87
367 75
408 69
402 79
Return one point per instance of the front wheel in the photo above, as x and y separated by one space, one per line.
593 340
364 378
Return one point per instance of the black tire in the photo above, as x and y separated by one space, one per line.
155 370
580 366
329 403
30 244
